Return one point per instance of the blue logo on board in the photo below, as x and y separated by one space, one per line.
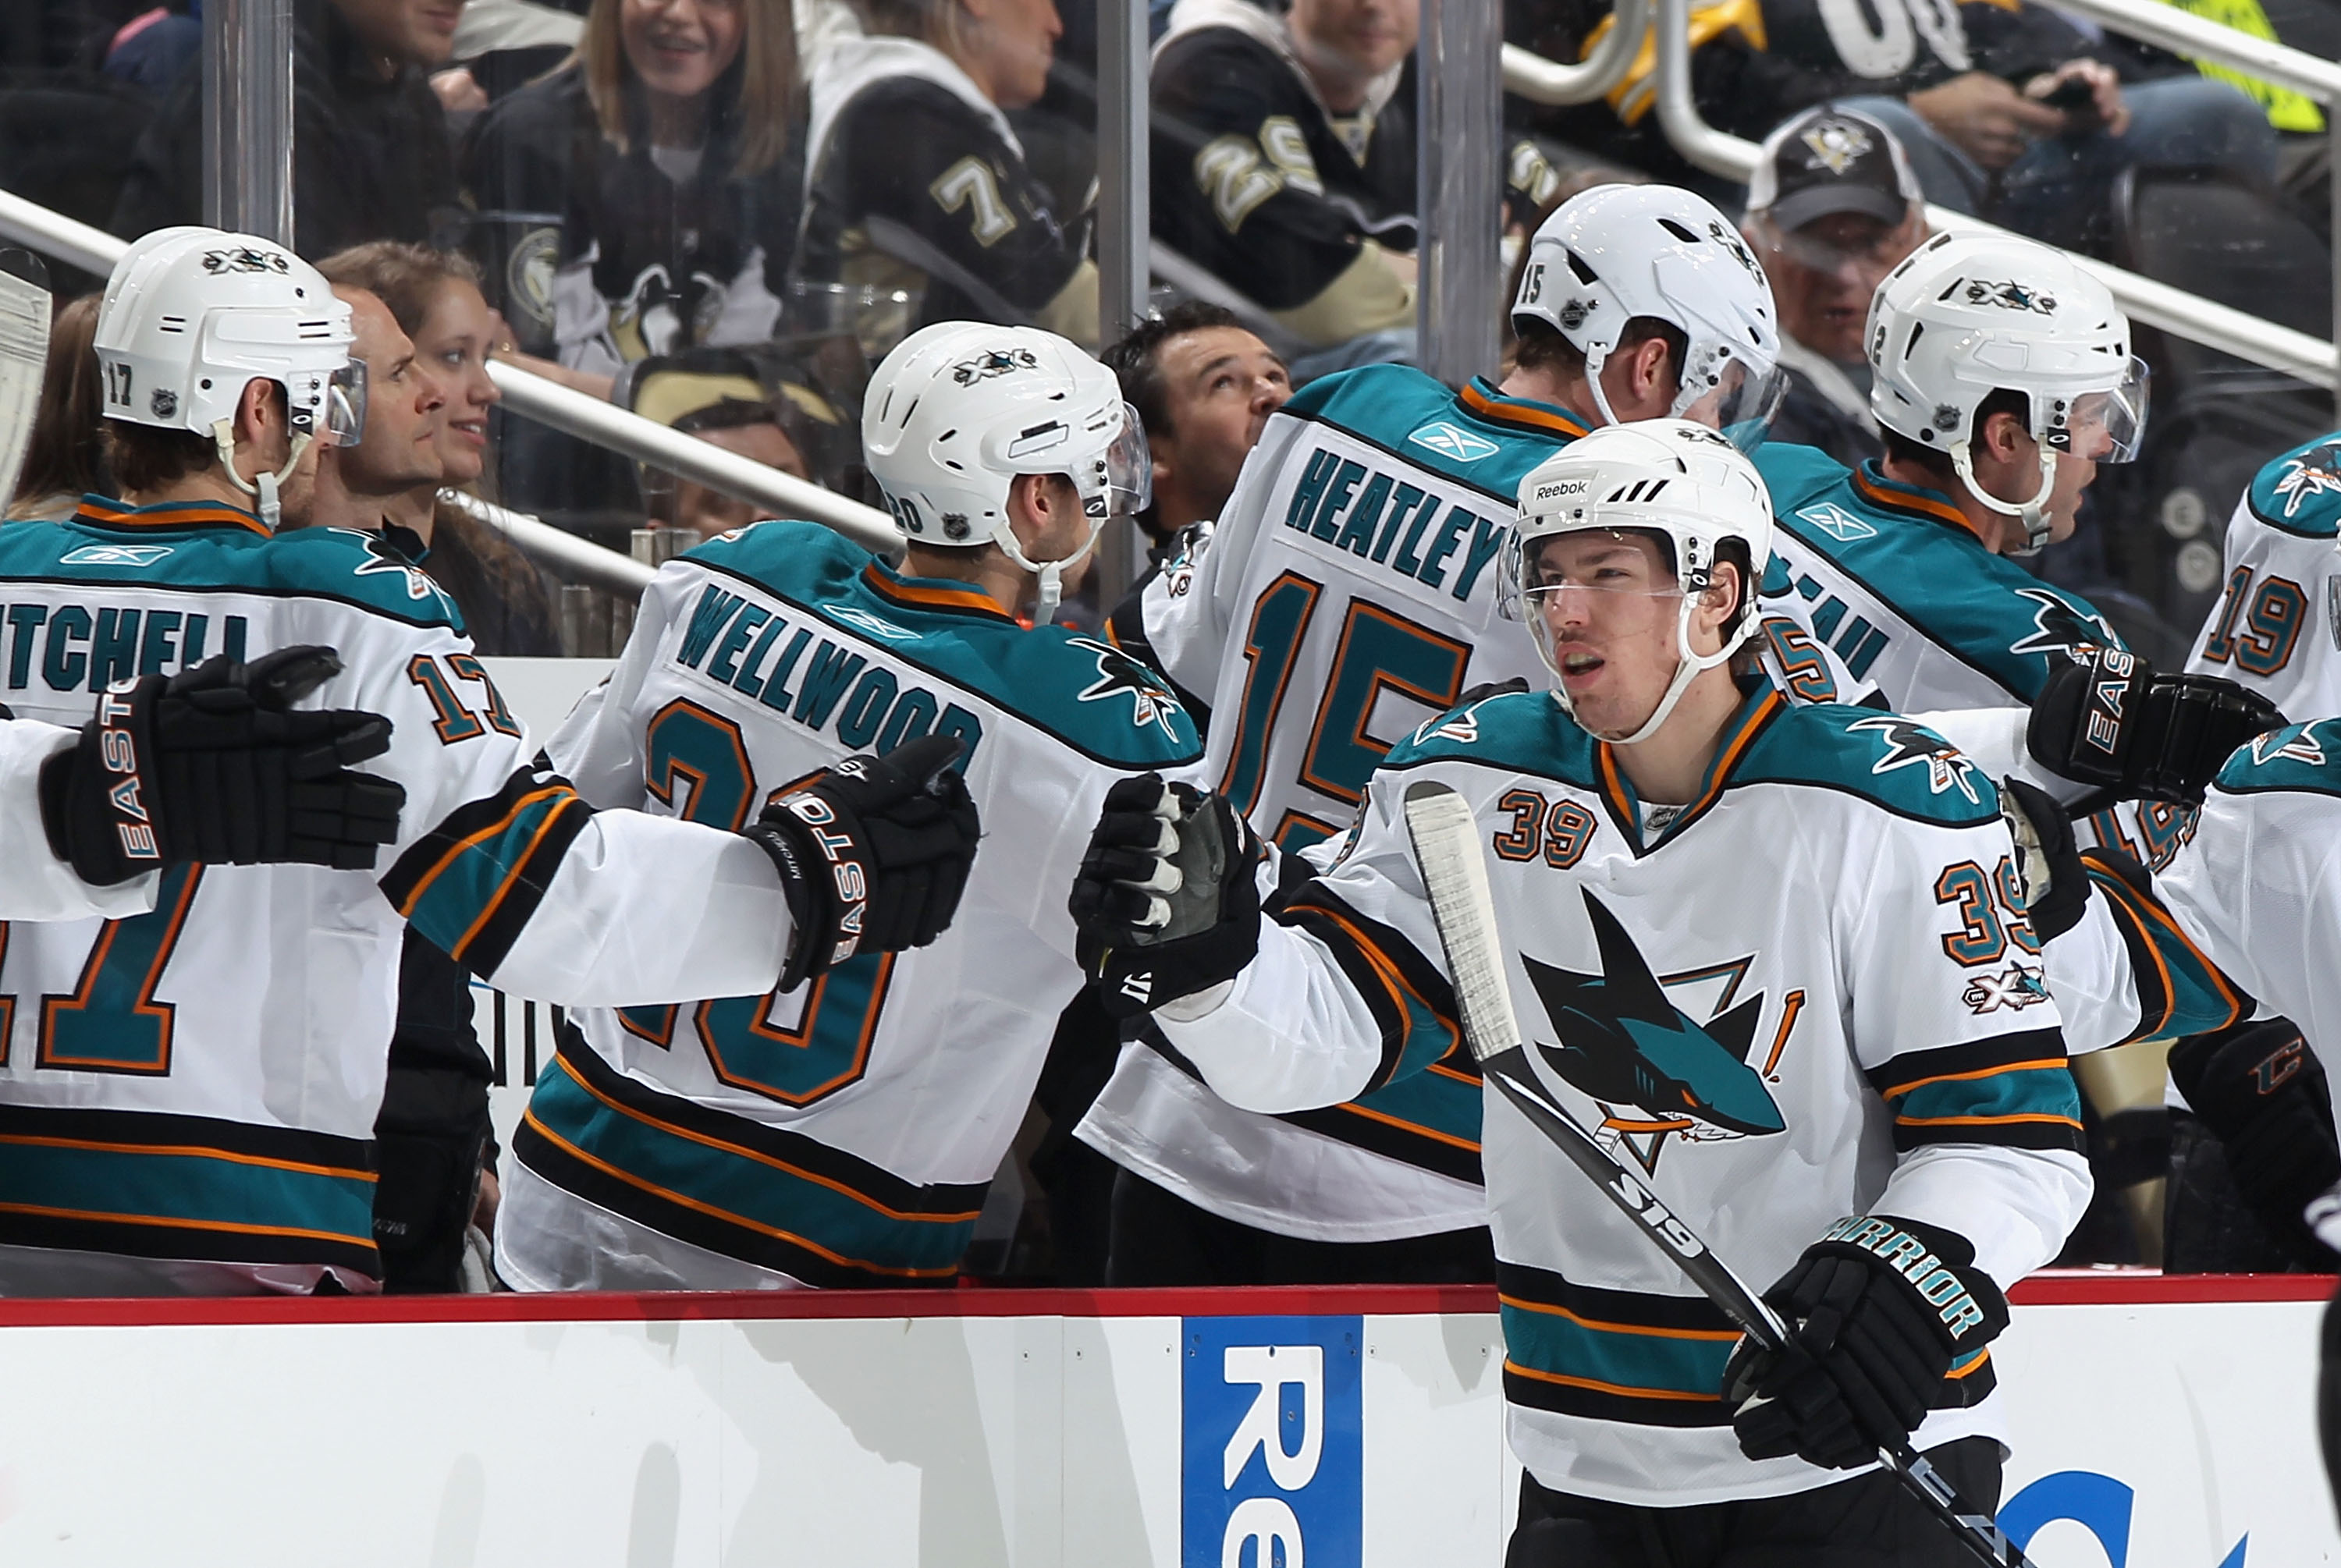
1272 1459
1450 441
2096 1502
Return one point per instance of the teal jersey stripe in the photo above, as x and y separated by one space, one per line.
1651 1362
2023 1091
203 1189
455 899
1433 1101
750 1192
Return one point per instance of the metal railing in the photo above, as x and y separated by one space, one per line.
1543 81
547 402
2174 311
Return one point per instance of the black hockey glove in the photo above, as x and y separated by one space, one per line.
2108 719
213 765
2259 1090
1877 1310
1167 902
2056 884
873 854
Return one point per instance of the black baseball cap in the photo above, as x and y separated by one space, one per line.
1826 161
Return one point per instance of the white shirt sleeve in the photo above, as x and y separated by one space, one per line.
35 885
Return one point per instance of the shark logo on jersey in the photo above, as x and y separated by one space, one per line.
1448 441
877 625
1150 701
2014 988
1656 1071
1909 744
2318 473
383 558
1837 522
115 555
2058 628
994 363
2009 296
2294 745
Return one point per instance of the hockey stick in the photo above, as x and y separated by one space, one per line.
1447 845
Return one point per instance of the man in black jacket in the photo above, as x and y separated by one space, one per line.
371 158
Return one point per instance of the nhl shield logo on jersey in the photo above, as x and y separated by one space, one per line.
1150 701
1656 1071
2058 628
1909 744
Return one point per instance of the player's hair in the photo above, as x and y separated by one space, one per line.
1933 461
754 103
1539 346
65 455
935 22
1136 361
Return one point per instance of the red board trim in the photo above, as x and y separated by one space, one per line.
2093 1287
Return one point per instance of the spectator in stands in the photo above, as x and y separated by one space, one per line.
662 146
919 203
434 298
1204 386
1832 207
1284 166
371 157
2004 110
151 48
64 458
721 401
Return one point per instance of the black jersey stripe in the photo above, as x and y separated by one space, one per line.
2000 1052
1404 991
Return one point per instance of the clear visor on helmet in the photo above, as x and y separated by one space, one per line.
1742 405
345 404
2107 426
1529 574
1128 468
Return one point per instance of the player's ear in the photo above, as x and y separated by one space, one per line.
2003 436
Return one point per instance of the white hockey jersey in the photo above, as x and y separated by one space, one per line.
1806 998
187 1098
2277 627
1347 594
844 1133
35 885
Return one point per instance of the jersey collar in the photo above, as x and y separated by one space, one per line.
931 593
1869 483
103 511
1480 400
1761 706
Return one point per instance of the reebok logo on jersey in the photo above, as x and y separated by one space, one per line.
861 620
1837 522
115 555
1450 441
1654 1071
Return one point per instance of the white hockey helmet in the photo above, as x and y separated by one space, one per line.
191 316
1667 476
960 407
1617 252
1964 316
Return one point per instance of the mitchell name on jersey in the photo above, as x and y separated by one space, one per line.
1860 1029
844 1133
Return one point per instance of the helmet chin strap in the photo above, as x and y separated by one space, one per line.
265 489
2034 512
1595 358
1050 573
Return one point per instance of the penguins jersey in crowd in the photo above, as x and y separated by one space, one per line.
1282 200
187 1098
2278 628
1347 594
1848 1032
2246 916
915 181
1890 580
35 885
843 1134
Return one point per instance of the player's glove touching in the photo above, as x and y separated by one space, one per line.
214 765
1167 902
2108 719
2047 862
873 854
1878 1312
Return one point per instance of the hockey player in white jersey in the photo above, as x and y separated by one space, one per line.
1759 948
1347 593
187 1098
843 1133
2277 627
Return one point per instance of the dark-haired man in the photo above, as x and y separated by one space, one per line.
1205 385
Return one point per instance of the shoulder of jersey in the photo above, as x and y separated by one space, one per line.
2299 758
2300 492
1521 732
887 98
1213 50
1414 418
1793 473
352 564
1885 759
1082 690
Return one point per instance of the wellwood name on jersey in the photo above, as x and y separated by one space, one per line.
1379 517
87 648
799 671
